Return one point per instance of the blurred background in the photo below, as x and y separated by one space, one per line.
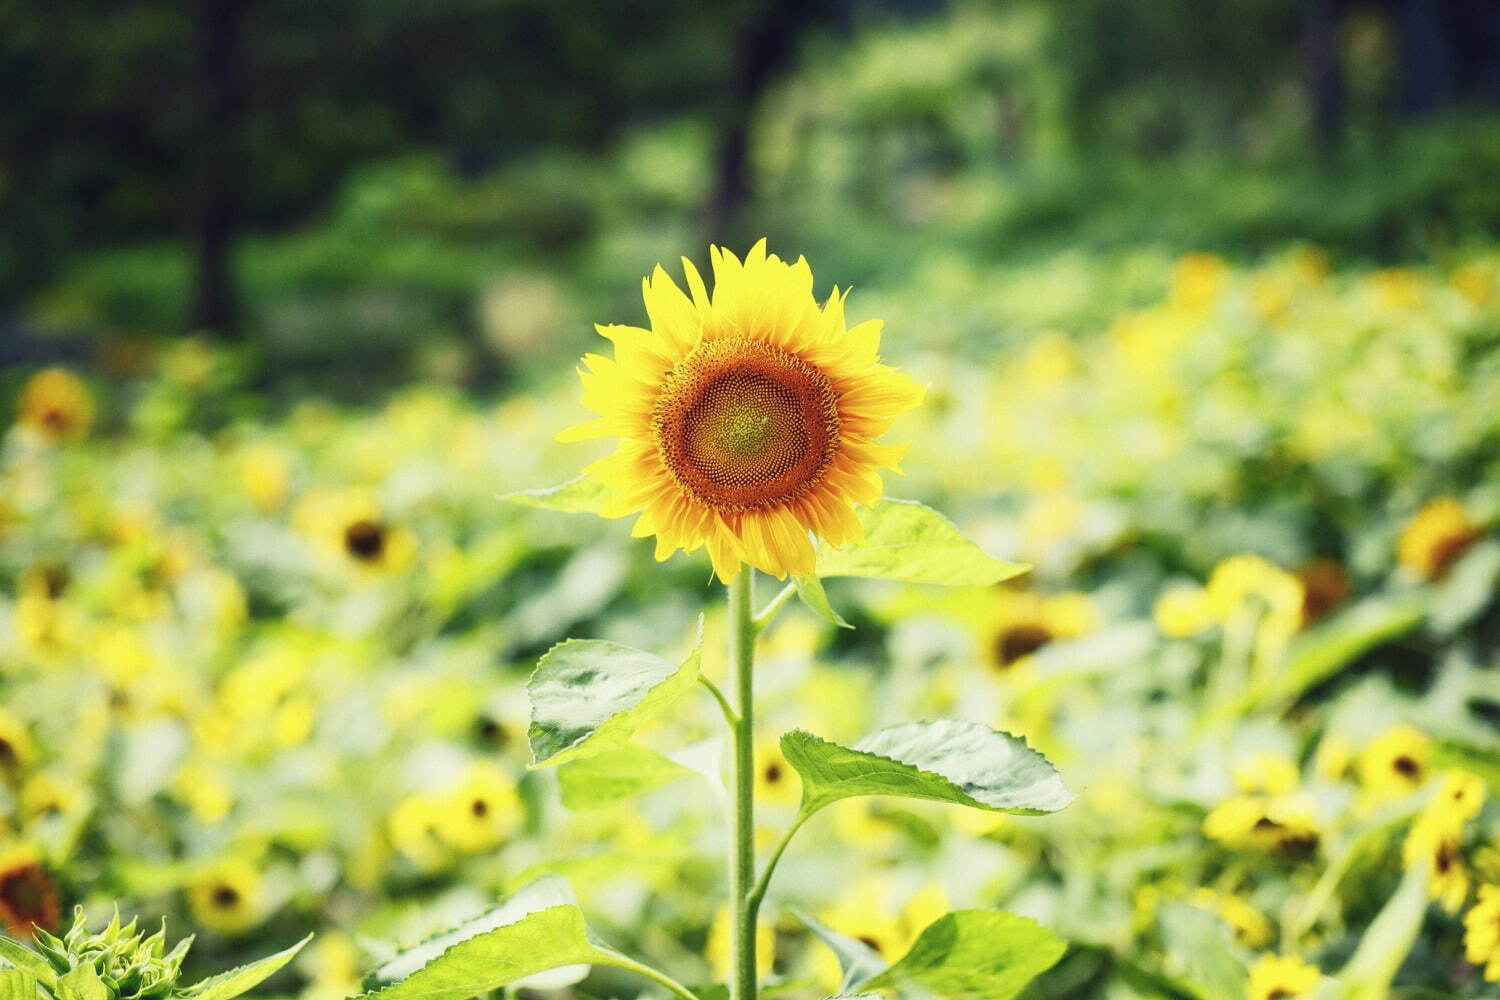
1207 296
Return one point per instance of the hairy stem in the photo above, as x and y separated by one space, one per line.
742 981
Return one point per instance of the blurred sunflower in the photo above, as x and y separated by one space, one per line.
350 527
1249 925
1286 824
56 405
15 744
1024 622
716 949
265 472
1281 977
775 781
1325 586
1482 932
228 897
480 812
866 915
1396 763
1435 537
1434 842
28 895
747 420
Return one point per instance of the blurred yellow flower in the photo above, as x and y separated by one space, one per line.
866 915
1396 762
15 744
1267 773
51 793
265 473
413 830
775 780
480 812
349 527
1435 537
1249 925
1434 842
28 894
228 897
1197 280
1286 823
748 420
1281 977
1023 621
56 405
1182 611
1482 932
1325 586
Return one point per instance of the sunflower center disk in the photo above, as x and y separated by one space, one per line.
741 424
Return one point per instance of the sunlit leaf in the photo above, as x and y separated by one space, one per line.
907 541
235 982
1389 939
810 591
17 984
1202 944
974 955
858 960
590 695
16 954
583 495
82 983
948 760
614 776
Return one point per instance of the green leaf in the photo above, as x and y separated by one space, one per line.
17 984
583 495
1483 761
613 777
974 955
22 957
810 590
591 695
227 985
907 541
1204 945
948 760
83 983
858 960
538 929
1389 939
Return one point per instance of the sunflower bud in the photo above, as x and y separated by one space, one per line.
130 964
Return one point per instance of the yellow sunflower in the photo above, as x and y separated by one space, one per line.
1279 977
56 405
747 419
28 895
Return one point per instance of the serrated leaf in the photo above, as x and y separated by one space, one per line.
544 893
537 930
1203 944
974 955
83 983
810 591
582 495
17 984
22 957
591 695
911 542
947 760
858 960
235 982
612 777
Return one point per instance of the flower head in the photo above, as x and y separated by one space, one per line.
28 895
1396 763
748 420
1435 537
56 405
1281 977
1482 932
228 897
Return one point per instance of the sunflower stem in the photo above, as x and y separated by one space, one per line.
742 629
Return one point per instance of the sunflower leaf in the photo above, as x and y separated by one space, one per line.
615 776
17 984
947 760
83 983
810 591
1198 939
858 960
228 985
911 542
536 931
18 955
974 955
591 695
581 495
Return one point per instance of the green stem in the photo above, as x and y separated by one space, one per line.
742 981
776 603
729 714
631 965
759 892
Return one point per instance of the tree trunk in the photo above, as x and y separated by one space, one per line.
215 200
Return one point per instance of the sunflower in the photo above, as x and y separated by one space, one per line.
775 781
1482 932
1433 842
1024 622
56 405
1281 977
480 812
747 419
1435 537
15 745
1396 763
228 897
28 896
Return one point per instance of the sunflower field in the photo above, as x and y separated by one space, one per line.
1111 615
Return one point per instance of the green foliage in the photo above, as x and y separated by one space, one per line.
614 776
583 495
907 541
945 761
975 955
589 696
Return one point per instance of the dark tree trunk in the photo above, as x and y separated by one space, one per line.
1426 57
763 51
215 200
